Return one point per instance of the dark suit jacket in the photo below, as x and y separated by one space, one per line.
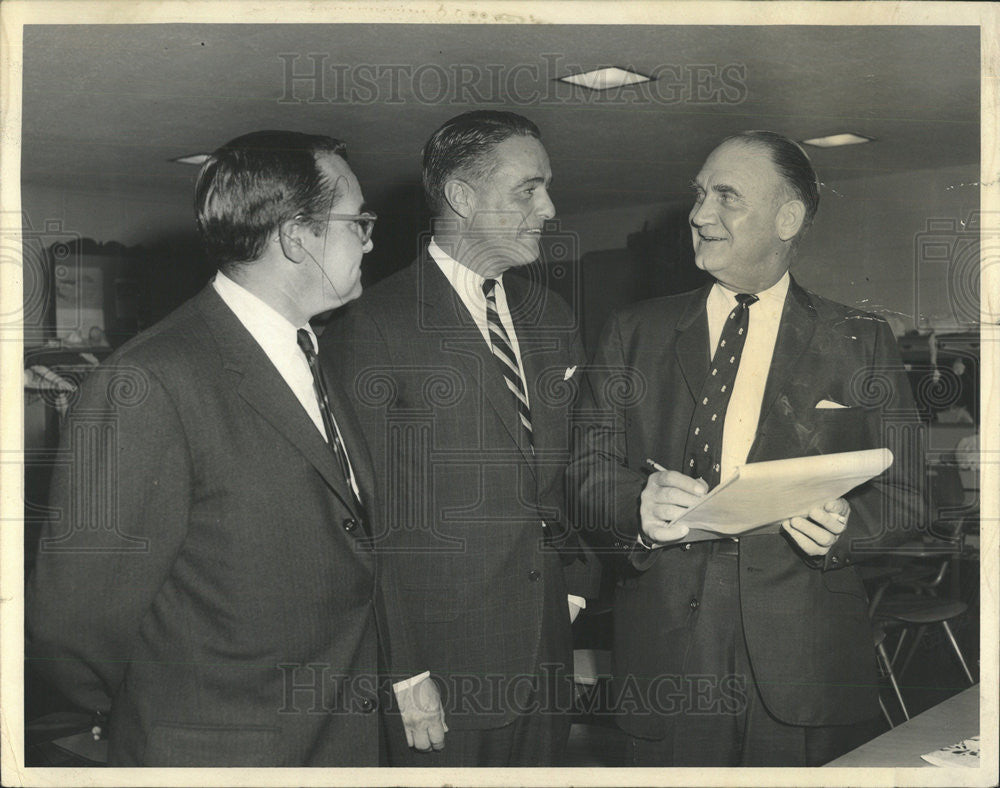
201 574
806 627
468 576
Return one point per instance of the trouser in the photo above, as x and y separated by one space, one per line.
745 733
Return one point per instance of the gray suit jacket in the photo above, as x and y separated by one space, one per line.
475 594
805 621
202 572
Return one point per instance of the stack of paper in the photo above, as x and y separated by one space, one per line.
765 493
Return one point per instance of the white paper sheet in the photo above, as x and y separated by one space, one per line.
965 753
764 493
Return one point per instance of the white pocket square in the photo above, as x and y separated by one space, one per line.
829 403
570 371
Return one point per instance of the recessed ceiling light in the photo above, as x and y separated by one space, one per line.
196 159
605 78
836 140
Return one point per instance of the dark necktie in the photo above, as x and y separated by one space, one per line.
504 353
703 452
319 386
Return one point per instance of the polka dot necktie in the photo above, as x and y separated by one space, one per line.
703 452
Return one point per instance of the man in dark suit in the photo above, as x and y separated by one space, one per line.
464 377
206 575
758 650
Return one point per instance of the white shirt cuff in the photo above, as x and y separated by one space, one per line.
399 686
579 601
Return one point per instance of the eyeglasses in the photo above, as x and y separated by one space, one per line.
364 221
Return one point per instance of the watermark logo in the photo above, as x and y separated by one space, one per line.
314 78
950 258
41 258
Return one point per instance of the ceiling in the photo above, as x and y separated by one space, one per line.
106 107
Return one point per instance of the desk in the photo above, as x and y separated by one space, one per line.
947 723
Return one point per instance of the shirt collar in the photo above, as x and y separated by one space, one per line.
466 282
775 292
265 324
721 300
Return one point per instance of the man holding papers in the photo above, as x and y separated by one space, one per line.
753 650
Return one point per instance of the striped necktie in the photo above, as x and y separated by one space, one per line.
329 425
703 452
504 353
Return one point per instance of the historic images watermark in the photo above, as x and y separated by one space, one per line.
45 257
87 512
316 78
315 688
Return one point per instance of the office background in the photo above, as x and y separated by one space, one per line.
107 217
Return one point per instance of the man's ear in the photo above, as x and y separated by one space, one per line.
460 196
789 219
290 236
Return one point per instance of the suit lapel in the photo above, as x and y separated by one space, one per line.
443 309
692 350
259 384
354 441
798 324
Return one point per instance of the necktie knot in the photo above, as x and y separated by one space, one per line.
305 343
489 285
746 299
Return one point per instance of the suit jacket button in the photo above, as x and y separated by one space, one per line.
687 546
350 524
694 603
367 705
533 575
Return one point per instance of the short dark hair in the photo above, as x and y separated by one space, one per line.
465 145
254 183
792 164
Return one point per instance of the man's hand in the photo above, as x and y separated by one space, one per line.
821 528
423 717
665 498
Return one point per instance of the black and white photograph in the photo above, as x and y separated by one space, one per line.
499 393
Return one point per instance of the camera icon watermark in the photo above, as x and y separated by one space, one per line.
950 258
40 258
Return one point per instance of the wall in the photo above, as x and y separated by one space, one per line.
872 247
869 246
126 217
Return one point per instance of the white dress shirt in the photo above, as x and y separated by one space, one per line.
278 338
740 427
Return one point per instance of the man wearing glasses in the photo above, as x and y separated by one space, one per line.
207 579
463 373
